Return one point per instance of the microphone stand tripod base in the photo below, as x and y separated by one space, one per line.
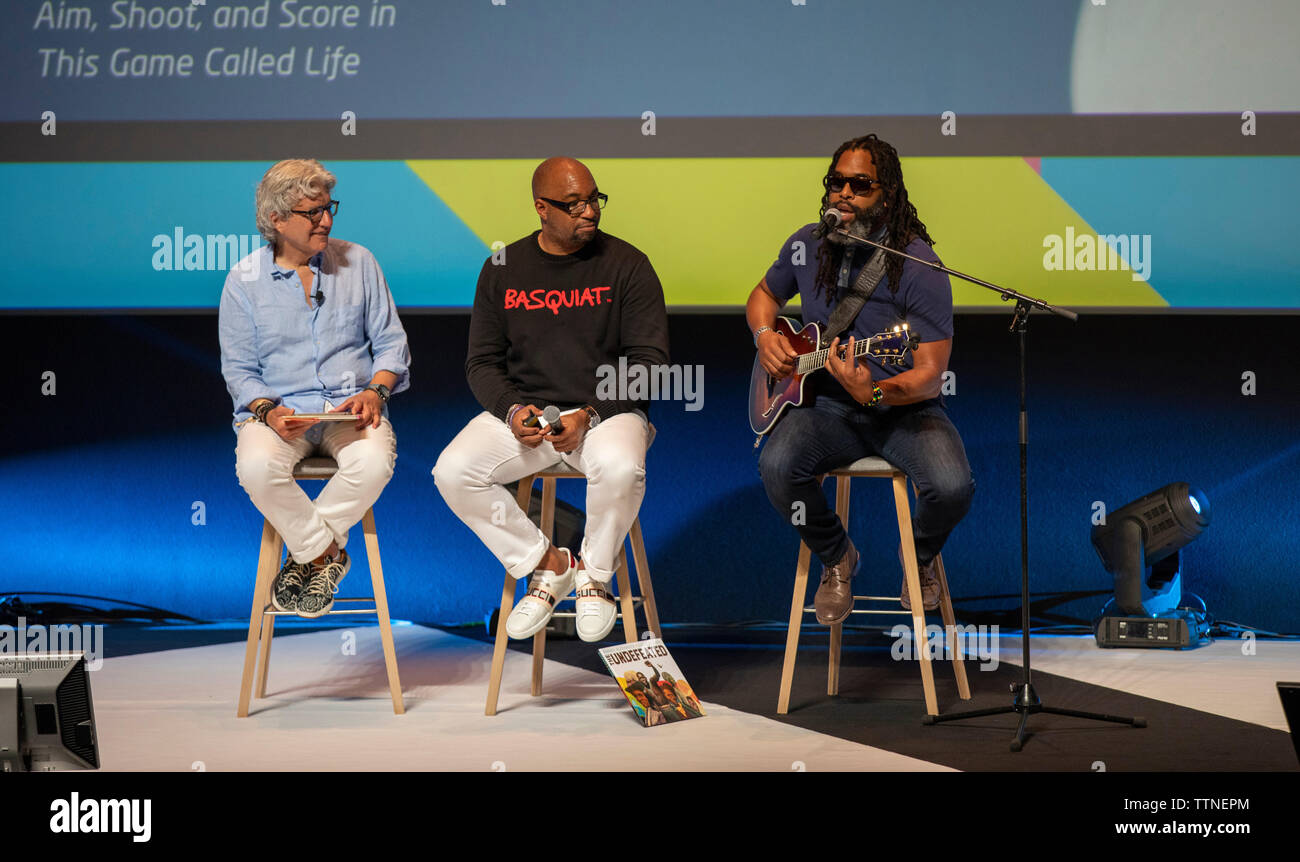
1026 703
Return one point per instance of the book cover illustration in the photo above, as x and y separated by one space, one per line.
652 682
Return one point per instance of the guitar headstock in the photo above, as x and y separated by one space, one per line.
891 346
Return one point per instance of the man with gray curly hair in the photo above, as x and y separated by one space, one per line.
307 325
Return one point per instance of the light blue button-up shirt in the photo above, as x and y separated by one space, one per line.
275 345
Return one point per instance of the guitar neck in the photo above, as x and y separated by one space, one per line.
810 362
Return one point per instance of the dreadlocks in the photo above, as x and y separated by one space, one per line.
901 221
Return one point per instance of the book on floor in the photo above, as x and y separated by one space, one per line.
652 682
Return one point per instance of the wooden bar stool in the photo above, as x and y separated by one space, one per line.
627 602
261 621
874 467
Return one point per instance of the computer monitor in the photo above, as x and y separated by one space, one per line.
47 718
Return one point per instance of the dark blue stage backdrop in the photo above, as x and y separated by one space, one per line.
132 135
120 483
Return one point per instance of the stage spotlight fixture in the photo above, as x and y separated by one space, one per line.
1140 545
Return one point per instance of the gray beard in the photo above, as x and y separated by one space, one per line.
862 225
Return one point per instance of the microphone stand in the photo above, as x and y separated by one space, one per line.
1025 701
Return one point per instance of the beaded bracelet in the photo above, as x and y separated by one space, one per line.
510 417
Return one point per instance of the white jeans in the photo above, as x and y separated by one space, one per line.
485 455
264 464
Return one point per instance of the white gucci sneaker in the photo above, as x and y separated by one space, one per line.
534 610
595 608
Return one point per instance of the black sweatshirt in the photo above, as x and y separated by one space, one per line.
543 325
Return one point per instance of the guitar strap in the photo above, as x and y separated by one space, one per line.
863 286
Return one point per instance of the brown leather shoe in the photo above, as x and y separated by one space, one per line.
834 597
929 585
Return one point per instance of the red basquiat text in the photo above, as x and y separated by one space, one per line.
532 300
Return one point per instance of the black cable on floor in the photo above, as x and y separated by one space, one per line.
18 604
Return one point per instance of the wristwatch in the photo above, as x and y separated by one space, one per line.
593 418
381 390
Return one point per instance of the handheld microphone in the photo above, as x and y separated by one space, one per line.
551 415
831 219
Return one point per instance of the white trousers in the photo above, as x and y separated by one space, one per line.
485 455
264 464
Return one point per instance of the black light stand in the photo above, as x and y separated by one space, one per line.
1025 701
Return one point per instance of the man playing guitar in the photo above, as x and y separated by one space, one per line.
864 406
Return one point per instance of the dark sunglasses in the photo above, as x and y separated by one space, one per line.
859 185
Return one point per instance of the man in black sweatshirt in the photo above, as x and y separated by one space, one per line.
553 314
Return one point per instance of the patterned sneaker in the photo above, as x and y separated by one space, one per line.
287 585
317 597
534 610
595 607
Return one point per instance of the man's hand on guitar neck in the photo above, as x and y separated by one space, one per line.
775 354
854 376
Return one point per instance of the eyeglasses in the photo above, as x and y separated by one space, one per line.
859 185
316 212
577 208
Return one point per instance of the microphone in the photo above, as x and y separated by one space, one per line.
831 219
320 296
552 416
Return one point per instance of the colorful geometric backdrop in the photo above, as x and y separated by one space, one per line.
1173 123
85 234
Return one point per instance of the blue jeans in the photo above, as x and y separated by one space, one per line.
918 439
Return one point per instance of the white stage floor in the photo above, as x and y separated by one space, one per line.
1219 678
175 711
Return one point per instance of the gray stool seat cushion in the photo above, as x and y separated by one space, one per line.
321 467
561 470
871 463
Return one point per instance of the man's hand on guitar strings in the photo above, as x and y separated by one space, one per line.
775 354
